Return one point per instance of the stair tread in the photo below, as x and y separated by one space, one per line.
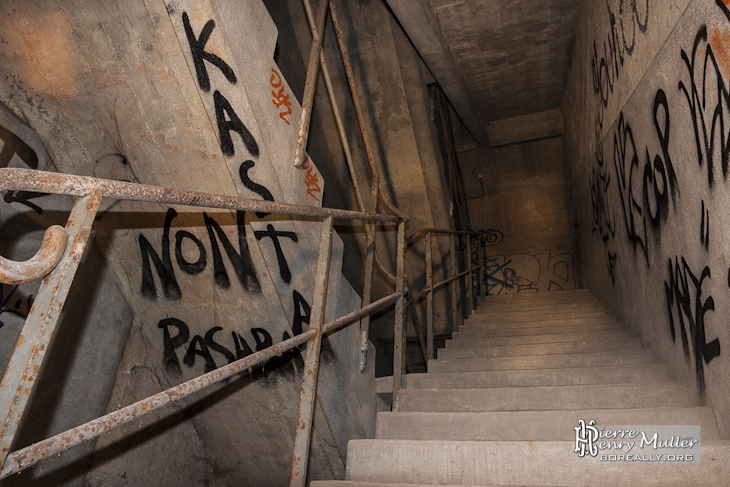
522 362
531 425
536 330
500 404
590 396
521 463
536 377
534 323
539 338
540 348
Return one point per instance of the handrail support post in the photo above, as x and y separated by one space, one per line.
454 285
429 299
311 361
399 332
482 271
367 296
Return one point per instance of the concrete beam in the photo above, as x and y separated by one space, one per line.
422 27
527 127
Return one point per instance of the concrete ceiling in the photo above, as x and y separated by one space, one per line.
495 59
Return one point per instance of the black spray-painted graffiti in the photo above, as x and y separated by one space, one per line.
646 186
708 104
240 259
633 15
227 122
176 334
13 145
606 65
705 227
14 303
604 222
274 235
606 68
533 272
645 191
684 292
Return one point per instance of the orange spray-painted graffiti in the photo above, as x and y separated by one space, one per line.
311 179
280 99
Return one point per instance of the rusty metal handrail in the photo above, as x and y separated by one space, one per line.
483 240
68 184
70 243
43 262
37 452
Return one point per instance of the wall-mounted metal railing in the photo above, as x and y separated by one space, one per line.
62 248
61 253
473 241
58 260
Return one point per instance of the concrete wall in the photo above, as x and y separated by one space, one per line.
392 82
518 187
76 381
113 91
119 90
646 129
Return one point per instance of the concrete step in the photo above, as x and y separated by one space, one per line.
593 396
527 310
541 349
471 333
591 301
531 425
516 300
475 324
540 316
541 377
559 311
594 359
473 342
522 463
550 295
511 308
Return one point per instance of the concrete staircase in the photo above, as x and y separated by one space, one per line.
500 404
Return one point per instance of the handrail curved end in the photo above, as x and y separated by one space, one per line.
41 264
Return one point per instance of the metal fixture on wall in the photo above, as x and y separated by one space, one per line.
62 249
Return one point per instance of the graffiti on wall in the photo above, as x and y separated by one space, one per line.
644 187
240 259
215 248
14 301
685 303
280 98
708 101
626 20
530 272
211 347
604 221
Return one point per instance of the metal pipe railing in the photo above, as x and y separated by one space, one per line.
482 241
62 248
27 359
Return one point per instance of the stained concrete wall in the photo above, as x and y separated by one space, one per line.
518 187
76 382
392 82
116 90
646 129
